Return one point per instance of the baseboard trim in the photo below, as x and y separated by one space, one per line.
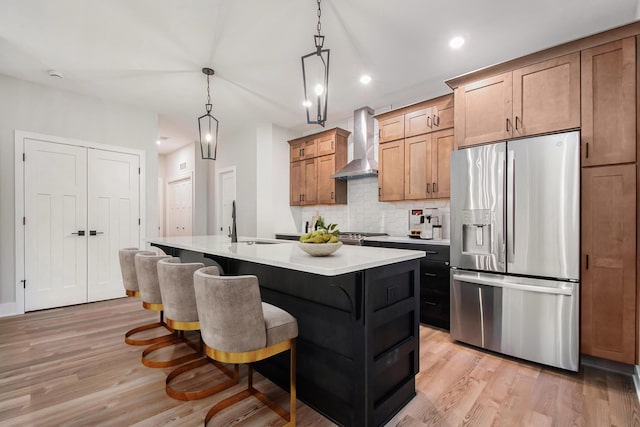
636 380
632 371
10 309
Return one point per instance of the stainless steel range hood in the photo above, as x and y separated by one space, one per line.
363 164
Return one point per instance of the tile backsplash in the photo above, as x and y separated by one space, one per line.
365 213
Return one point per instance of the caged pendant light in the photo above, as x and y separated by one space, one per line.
208 126
315 77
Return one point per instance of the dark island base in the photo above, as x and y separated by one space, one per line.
358 343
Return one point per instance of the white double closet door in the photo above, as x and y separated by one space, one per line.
81 206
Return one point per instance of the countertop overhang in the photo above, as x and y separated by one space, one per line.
287 254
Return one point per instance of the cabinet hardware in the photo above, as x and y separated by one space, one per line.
436 120
430 274
434 188
431 252
299 197
24 284
431 303
332 195
379 133
428 121
428 187
303 152
587 262
379 192
587 148
517 122
303 197
508 125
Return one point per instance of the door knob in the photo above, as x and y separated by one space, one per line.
95 233
79 233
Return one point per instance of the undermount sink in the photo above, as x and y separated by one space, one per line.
256 242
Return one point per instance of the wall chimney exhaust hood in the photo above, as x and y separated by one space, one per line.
363 164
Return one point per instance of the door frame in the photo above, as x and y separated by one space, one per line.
17 307
218 199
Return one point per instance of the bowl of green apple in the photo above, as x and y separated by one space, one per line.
321 242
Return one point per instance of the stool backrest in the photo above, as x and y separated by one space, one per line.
176 287
147 271
230 311
128 268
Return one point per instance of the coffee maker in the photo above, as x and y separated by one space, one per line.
416 222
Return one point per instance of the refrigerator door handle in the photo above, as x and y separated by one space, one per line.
510 285
513 204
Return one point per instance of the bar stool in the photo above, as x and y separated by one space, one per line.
147 271
132 289
237 327
181 314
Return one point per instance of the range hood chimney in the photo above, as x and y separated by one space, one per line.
363 163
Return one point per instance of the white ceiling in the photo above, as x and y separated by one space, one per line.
149 53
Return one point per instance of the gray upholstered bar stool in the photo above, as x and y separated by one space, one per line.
181 314
237 327
147 272
132 289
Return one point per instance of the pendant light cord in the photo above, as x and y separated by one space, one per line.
319 15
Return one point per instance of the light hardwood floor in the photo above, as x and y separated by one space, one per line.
71 367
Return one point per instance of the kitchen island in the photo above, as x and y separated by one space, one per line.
357 313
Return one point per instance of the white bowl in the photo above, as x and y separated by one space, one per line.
320 249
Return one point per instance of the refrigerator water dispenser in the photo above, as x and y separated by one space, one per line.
476 232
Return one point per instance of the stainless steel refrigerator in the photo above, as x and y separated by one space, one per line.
515 236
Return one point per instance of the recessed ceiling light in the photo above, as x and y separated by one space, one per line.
161 139
55 74
456 42
365 79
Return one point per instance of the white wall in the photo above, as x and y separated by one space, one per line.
272 185
239 150
35 108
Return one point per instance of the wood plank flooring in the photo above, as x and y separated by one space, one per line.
71 367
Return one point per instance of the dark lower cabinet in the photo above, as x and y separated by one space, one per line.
434 280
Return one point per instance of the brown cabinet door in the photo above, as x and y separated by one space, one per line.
309 149
609 103
609 262
391 128
326 145
296 183
442 143
326 184
417 167
310 171
442 114
418 122
546 96
296 152
483 111
391 171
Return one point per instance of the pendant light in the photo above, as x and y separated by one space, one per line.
315 77
208 126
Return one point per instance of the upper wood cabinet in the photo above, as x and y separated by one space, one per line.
442 143
609 103
326 144
391 171
483 110
426 169
314 158
608 286
391 128
303 182
540 98
416 166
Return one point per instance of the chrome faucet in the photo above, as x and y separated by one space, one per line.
234 231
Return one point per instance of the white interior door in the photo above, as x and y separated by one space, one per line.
113 212
56 217
180 197
226 196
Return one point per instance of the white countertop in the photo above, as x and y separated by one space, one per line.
407 239
287 254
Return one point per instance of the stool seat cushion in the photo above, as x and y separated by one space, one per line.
147 271
176 288
280 325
